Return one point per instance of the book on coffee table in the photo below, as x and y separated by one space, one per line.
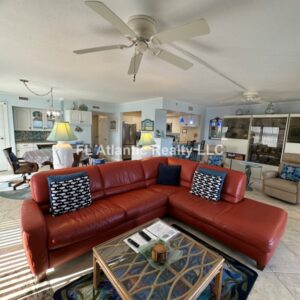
162 230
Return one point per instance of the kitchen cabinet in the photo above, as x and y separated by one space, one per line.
78 117
22 118
37 119
21 148
32 119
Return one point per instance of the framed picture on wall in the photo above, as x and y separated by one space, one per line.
113 125
147 125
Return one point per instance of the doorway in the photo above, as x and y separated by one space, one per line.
131 131
100 129
4 135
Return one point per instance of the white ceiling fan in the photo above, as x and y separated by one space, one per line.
141 30
247 97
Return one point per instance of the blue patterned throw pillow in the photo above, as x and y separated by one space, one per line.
208 184
215 160
289 172
69 192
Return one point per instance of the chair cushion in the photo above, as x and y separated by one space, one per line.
167 189
254 223
215 160
289 172
14 160
138 202
200 208
168 175
69 192
281 184
77 226
208 184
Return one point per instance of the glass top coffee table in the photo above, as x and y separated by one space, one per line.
135 278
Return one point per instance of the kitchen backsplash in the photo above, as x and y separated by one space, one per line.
31 136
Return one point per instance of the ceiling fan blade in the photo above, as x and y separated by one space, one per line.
97 49
174 59
186 31
135 63
101 9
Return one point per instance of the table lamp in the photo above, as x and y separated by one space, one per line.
62 151
146 140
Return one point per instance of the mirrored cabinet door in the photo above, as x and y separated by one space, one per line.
267 140
49 122
37 120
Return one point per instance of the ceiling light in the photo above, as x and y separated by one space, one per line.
51 113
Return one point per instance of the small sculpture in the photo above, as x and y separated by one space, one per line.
159 253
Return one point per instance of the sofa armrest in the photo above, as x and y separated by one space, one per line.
270 174
34 234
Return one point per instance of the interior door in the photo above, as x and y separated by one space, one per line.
103 131
4 136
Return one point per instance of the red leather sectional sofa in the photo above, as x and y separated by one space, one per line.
125 194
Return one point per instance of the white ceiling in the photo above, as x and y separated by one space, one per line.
254 42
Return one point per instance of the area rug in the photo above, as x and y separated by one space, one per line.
237 282
19 194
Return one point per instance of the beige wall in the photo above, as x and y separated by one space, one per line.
133 120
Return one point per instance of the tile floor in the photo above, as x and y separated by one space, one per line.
280 279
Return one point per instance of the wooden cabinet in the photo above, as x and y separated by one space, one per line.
78 117
22 118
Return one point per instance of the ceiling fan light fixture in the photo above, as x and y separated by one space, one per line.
141 30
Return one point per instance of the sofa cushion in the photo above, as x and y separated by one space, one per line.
122 176
208 184
200 208
281 184
76 226
69 192
188 168
255 223
150 166
167 189
234 185
40 190
168 175
138 202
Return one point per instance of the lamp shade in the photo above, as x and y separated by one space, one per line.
146 139
61 132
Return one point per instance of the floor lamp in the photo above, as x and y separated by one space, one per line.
62 152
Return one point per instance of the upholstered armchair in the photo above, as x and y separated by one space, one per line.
286 190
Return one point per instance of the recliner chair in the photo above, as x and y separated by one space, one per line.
279 188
